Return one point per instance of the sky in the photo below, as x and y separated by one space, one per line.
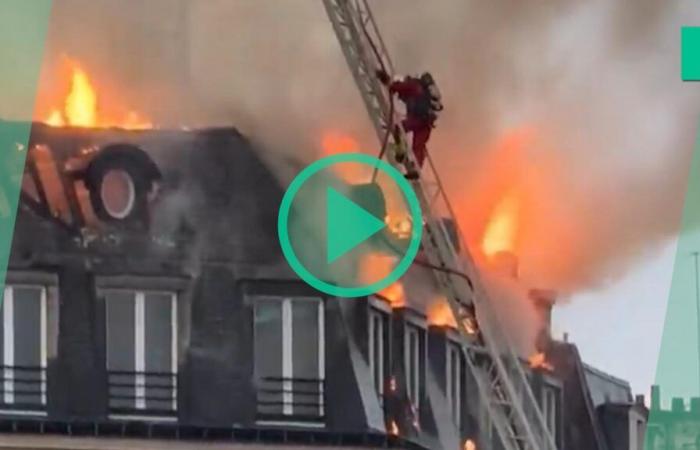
618 329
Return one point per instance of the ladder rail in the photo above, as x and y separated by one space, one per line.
358 35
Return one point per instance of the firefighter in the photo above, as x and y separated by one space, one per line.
423 104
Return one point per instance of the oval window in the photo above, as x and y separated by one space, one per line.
118 193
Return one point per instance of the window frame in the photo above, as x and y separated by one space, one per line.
413 368
454 379
378 316
8 371
550 409
140 401
287 319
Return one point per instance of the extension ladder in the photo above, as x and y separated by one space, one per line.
503 386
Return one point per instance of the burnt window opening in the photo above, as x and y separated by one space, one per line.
289 358
24 348
455 380
378 350
413 363
142 359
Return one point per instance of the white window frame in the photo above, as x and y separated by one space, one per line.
377 317
413 368
454 377
288 347
9 345
140 344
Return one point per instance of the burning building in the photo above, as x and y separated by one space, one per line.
147 297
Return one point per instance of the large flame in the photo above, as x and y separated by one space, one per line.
335 142
502 228
539 361
394 294
440 313
81 107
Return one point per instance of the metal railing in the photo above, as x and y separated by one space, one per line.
149 393
299 399
23 388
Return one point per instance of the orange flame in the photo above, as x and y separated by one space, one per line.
539 361
394 294
394 428
333 143
502 228
81 107
469 445
81 103
440 313
55 119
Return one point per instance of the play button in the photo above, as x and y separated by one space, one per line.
348 225
346 232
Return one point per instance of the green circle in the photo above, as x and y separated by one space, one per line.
303 272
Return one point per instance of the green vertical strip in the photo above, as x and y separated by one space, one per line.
678 366
690 53
23 25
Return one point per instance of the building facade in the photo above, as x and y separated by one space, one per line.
146 295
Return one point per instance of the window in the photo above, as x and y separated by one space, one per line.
549 409
23 344
377 350
289 357
141 351
412 363
455 371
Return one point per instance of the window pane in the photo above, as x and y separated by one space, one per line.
120 323
305 357
160 385
305 336
120 330
159 332
268 355
27 327
268 338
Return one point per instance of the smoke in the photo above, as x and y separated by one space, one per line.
596 84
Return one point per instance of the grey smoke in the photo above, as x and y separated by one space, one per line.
599 79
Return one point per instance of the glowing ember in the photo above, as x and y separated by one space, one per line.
440 313
539 361
81 108
393 428
501 230
469 445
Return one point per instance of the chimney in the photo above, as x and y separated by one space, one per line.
655 397
543 301
677 404
695 405
639 399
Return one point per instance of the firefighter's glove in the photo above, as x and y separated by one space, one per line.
383 76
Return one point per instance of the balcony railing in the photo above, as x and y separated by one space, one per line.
149 393
23 388
286 399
